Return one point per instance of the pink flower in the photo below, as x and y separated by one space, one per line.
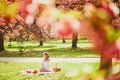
15 32
1 31
19 18
23 7
19 27
99 34
2 24
13 21
2 21
6 27
10 25
29 19
32 8
64 29
44 21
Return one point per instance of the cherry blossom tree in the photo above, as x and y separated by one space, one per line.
74 5
100 28
38 18
68 5
103 35
7 14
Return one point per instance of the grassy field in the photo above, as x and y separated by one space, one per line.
10 70
55 48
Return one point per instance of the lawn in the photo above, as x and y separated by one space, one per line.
55 48
10 70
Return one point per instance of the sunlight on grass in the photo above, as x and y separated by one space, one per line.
70 71
31 45
55 48
9 69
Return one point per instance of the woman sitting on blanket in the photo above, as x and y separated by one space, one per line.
46 63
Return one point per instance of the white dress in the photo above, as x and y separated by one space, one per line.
46 65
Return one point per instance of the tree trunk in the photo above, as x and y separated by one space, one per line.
63 40
41 43
2 43
74 40
27 37
10 42
105 64
40 38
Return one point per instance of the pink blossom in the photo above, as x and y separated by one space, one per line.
23 7
114 8
2 24
15 32
118 47
11 25
29 20
2 21
19 18
44 21
64 29
67 26
6 27
32 8
13 21
61 7
1 31
20 27
12 35
118 43
98 32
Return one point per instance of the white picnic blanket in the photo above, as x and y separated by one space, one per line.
32 72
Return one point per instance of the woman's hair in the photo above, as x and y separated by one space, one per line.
47 55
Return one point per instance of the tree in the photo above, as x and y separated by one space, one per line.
40 33
74 5
37 23
7 13
68 5
63 40
97 25
103 35
74 40
1 42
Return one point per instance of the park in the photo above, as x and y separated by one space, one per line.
59 40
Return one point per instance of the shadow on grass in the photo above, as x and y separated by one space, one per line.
54 52
68 52
68 42
29 47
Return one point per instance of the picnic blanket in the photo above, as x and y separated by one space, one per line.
34 72
37 72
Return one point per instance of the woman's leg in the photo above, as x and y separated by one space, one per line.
44 70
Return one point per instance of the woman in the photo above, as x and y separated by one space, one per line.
45 64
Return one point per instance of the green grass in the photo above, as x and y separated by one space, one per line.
32 45
55 48
10 70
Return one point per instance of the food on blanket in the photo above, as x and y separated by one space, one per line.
56 69
35 72
28 71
